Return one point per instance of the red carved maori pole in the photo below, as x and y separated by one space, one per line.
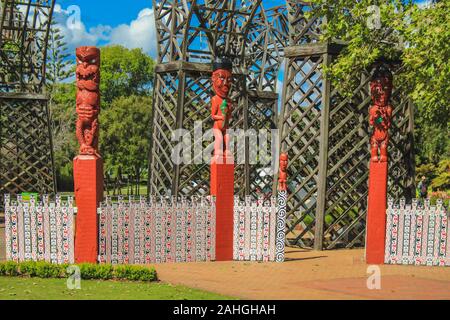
380 114
88 165
222 163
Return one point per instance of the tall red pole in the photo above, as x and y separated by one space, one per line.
222 163
88 165
380 114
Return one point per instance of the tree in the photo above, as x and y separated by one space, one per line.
58 65
65 145
418 38
393 29
125 134
62 106
125 72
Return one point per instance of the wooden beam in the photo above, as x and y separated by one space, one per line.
269 95
323 160
313 49
23 95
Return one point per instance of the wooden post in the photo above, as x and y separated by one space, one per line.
323 160
88 165
222 187
376 213
179 125
380 117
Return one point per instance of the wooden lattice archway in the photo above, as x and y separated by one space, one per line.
26 160
327 139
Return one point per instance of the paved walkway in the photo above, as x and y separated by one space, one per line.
340 274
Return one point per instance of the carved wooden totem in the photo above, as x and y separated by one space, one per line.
221 107
88 99
282 176
380 113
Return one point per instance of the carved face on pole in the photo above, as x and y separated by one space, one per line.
380 90
88 65
222 80
283 162
381 86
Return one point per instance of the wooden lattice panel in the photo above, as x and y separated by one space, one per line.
26 157
347 169
300 133
194 176
301 29
262 115
24 30
339 135
163 123
348 158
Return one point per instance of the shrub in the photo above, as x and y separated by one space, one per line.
43 269
11 268
104 272
28 268
122 271
135 273
49 270
88 270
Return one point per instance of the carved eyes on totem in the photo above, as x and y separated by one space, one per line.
92 61
223 79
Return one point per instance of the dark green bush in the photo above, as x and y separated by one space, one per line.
134 273
2 269
49 270
88 270
28 268
42 269
104 272
11 268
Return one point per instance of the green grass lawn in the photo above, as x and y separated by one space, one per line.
16 288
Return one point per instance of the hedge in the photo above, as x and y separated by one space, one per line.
42 269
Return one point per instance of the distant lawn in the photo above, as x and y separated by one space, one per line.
15 288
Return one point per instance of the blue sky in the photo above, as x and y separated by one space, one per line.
102 22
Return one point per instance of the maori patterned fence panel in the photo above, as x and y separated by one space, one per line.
259 233
417 235
39 230
156 231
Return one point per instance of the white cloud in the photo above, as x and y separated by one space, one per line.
140 33
425 4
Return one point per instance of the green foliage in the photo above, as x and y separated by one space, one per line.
417 36
105 272
88 270
125 72
442 178
63 119
438 175
59 67
8 268
124 141
42 269
134 273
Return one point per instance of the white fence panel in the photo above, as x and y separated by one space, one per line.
39 230
417 234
